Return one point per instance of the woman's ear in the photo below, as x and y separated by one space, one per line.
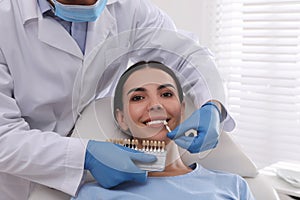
120 119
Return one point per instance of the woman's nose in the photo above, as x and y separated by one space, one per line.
154 104
156 107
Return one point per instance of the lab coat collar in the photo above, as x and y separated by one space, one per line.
111 1
98 31
28 9
59 38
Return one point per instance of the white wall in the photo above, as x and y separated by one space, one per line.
192 15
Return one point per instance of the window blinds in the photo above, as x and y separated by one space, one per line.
257 47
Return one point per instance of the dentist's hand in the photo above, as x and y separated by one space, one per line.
206 121
112 164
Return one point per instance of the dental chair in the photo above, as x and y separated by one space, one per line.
96 122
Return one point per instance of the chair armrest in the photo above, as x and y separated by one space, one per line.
261 188
227 156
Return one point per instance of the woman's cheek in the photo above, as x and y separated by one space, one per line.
136 111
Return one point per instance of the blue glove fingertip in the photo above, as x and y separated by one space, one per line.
174 133
171 135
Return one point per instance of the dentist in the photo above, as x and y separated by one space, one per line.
43 44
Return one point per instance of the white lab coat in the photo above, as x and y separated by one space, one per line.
39 100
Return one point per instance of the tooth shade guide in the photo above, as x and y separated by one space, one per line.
153 147
146 145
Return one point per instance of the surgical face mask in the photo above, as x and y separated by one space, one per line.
79 13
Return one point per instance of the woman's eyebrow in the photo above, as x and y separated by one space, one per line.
166 85
136 90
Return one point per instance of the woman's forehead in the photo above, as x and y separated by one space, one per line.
147 76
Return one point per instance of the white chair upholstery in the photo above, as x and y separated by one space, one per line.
96 123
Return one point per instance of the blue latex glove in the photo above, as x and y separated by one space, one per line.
206 121
112 164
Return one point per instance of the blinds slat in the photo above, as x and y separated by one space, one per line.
265 81
270 17
238 47
265 113
272 106
233 63
271 57
260 2
271 8
264 89
289 50
265 73
268 33
271 25
262 127
293 41
254 119
262 97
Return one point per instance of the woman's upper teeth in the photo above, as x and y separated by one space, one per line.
156 122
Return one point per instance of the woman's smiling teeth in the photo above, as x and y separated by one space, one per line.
155 122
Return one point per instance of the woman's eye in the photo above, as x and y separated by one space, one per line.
167 94
137 98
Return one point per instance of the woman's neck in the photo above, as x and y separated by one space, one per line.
174 164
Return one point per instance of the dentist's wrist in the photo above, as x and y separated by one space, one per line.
221 110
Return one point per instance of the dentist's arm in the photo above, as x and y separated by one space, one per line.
29 154
206 121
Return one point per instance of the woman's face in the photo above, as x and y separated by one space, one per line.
150 97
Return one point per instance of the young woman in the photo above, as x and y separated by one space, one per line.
147 95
